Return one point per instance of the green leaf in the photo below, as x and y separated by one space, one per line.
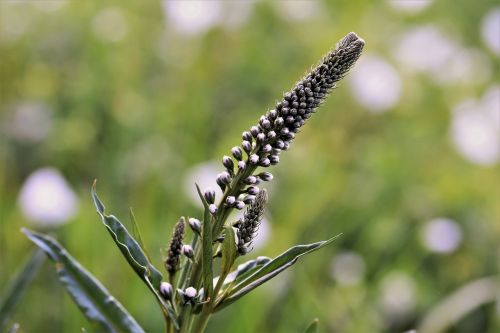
229 250
129 247
134 254
313 327
137 233
270 270
93 299
242 272
18 286
206 249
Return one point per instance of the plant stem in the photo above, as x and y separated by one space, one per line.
184 318
186 268
202 321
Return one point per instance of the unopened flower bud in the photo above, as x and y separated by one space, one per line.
212 209
290 136
223 178
190 293
279 122
209 195
253 190
265 176
166 290
261 138
267 148
250 180
279 144
228 163
195 225
247 146
230 200
255 131
272 114
265 123
271 135
247 136
242 165
187 250
275 159
265 162
239 205
248 199
237 153
253 159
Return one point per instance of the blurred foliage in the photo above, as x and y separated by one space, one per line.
137 113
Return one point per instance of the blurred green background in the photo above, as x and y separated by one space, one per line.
147 96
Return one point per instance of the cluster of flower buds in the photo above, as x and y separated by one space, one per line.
210 198
247 226
188 296
175 248
276 129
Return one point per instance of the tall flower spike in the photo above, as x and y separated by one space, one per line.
281 124
175 248
276 129
248 225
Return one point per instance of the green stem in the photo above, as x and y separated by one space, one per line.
186 268
202 321
184 318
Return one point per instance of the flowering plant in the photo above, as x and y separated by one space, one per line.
190 293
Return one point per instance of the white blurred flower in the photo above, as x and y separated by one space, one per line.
47 199
109 25
192 17
14 22
465 66
490 30
50 5
375 83
429 50
409 6
425 48
203 174
491 105
397 294
347 268
298 10
28 122
475 129
441 235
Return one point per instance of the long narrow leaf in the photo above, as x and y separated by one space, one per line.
271 269
129 247
229 250
137 233
134 254
17 287
313 327
103 311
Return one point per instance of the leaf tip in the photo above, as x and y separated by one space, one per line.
97 202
